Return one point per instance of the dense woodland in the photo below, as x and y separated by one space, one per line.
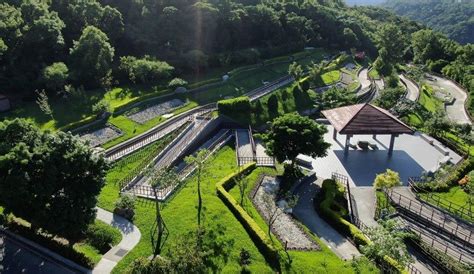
95 43
451 17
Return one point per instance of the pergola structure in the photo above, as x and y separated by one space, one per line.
365 119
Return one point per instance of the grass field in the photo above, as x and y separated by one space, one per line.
323 261
456 195
180 214
331 77
429 102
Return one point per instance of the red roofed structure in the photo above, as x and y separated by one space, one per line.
365 119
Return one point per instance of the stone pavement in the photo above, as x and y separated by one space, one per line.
130 238
363 201
305 213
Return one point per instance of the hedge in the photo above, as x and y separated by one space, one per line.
259 237
235 105
102 236
330 190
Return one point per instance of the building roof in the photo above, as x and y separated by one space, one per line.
365 119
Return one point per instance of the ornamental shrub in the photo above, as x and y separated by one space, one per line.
231 107
102 236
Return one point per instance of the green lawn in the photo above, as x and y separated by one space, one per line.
324 261
456 195
180 213
331 77
374 74
429 102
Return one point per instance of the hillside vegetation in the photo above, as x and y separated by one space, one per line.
451 17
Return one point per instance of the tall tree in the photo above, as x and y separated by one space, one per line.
199 162
292 134
43 103
55 76
52 180
91 57
160 180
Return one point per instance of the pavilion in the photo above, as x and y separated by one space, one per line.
365 119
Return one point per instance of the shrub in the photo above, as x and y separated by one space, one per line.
100 107
259 237
125 206
234 106
102 236
273 104
176 83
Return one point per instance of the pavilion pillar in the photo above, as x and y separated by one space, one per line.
374 136
392 144
334 134
348 141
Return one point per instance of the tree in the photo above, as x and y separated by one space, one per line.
438 125
314 73
91 57
243 184
387 240
145 70
295 70
196 59
391 43
55 76
52 180
43 102
387 180
176 83
199 162
292 134
160 180
336 97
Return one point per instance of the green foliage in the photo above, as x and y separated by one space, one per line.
236 106
145 70
387 180
292 134
453 19
335 97
102 236
102 106
389 97
39 165
176 83
55 76
255 232
91 57
295 70
329 192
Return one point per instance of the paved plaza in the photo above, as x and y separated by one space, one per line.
412 156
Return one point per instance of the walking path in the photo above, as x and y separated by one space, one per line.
456 111
413 92
363 200
130 238
304 211
364 78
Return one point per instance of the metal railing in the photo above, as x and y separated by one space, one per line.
462 211
344 180
427 215
261 161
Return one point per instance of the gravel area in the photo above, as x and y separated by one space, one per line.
155 111
285 227
346 78
101 136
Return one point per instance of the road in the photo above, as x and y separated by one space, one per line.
456 112
413 92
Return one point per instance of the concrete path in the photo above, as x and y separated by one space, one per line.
456 112
364 78
413 92
363 201
305 213
245 147
130 238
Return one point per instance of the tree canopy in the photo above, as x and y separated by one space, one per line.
292 134
52 180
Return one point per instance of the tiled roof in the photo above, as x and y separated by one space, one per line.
365 119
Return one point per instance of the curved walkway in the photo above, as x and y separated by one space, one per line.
364 78
130 238
413 92
305 213
456 111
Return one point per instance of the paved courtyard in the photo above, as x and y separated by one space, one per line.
411 156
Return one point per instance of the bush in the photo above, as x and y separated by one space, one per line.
239 105
100 107
125 206
176 83
452 180
102 236
259 237
273 104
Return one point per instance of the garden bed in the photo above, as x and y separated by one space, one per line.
284 227
149 113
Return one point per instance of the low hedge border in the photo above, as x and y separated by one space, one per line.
256 233
330 190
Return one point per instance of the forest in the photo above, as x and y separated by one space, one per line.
453 18
47 45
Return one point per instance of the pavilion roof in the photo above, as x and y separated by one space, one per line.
365 119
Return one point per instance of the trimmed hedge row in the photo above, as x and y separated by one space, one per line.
330 190
259 237
234 106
